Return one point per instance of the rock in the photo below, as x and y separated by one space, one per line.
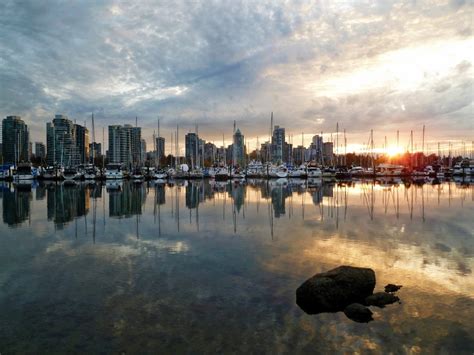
358 313
334 290
392 288
381 299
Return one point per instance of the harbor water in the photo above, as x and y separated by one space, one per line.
212 267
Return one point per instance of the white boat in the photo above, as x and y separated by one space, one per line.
280 171
254 169
196 173
220 173
237 173
91 172
314 172
6 171
137 175
298 173
160 174
328 172
357 171
23 172
113 171
388 170
71 173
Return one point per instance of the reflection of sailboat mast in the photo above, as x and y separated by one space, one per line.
423 199
177 207
94 217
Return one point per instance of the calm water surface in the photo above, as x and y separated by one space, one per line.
200 267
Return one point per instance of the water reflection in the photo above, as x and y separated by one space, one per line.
163 265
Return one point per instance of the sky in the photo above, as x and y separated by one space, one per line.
380 65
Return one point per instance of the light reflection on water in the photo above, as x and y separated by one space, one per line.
213 267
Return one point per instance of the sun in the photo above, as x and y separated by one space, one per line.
393 150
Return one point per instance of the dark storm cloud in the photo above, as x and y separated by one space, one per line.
213 62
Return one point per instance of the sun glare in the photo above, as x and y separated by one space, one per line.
393 150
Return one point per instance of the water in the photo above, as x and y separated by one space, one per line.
200 267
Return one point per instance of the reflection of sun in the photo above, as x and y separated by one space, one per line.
393 151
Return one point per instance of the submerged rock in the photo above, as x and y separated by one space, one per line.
392 288
334 290
358 313
381 299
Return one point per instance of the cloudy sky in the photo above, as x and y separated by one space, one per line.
378 65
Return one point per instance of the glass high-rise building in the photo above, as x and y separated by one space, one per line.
15 140
278 140
238 148
125 144
67 143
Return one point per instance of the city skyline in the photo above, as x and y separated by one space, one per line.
379 66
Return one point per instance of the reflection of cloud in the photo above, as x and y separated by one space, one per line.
431 273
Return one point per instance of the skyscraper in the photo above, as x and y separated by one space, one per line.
328 148
81 149
40 150
124 144
95 150
192 149
160 148
15 140
238 148
278 140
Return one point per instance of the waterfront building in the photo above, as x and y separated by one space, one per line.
60 142
192 148
316 149
328 153
160 148
265 152
278 140
81 138
142 150
15 140
221 154
40 150
124 144
95 150
238 148
299 153
210 152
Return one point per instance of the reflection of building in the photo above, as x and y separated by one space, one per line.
128 201
194 195
279 193
66 202
16 204
160 198
15 140
317 195
237 193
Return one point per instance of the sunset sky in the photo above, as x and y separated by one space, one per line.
378 65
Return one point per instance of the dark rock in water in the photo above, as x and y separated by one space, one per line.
392 288
358 313
381 299
334 290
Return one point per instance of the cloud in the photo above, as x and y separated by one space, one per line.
312 63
